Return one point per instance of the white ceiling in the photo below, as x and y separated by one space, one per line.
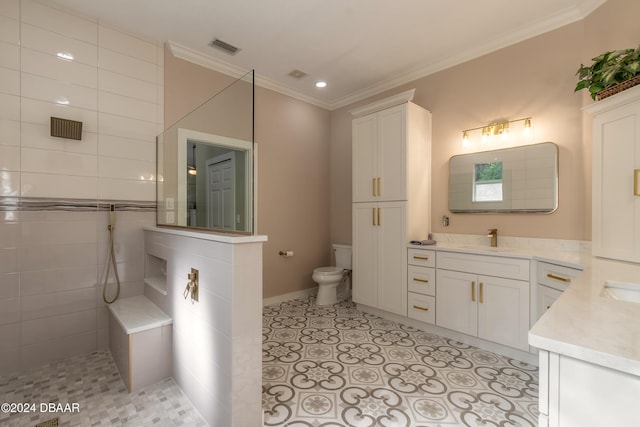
360 47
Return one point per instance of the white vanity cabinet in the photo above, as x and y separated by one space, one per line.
616 176
484 296
552 280
391 195
421 285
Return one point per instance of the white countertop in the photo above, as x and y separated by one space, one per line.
584 325
210 235
581 323
137 314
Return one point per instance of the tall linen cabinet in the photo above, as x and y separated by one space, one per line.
391 199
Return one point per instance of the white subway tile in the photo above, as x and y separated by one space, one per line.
62 186
40 112
38 136
111 167
55 91
120 189
57 303
10 8
9 310
9 183
9 56
9 235
51 257
58 21
9 285
41 40
126 148
127 44
9 81
9 30
9 361
128 107
9 158
58 232
54 216
58 162
120 84
43 329
127 65
10 335
9 107
9 132
56 280
52 350
72 72
9 260
111 124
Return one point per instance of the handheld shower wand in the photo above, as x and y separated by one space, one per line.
112 258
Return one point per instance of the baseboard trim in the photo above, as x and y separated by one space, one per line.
291 295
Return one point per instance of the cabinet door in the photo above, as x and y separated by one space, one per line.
392 143
616 208
546 297
392 261
365 254
456 296
503 311
365 158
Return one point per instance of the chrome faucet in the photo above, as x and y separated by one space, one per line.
493 234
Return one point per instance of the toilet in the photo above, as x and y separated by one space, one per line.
329 278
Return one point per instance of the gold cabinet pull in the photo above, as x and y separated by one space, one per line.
473 291
481 296
562 279
373 216
417 307
373 187
415 279
636 175
423 258
549 306
379 223
379 192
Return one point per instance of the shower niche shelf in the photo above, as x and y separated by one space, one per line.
155 275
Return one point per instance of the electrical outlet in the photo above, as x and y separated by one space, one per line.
169 203
171 217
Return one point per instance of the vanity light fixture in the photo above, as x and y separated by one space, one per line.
497 128
191 168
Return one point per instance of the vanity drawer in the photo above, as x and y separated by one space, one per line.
421 280
556 276
425 258
489 265
422 307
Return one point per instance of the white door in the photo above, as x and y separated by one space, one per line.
364 145
221 193
392 137
365 254
503 311
392 263
456 301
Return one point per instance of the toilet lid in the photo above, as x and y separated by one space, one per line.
328 271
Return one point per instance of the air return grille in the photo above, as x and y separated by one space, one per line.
64 128
230 49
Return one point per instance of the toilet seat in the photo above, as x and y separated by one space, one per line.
328 271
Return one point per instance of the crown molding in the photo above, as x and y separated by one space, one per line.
537 28
199 58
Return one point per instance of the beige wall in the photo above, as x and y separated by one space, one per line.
292 140
532 78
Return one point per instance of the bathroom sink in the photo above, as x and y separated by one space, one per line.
622 291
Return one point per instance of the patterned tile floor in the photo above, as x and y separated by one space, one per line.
93 382
336 366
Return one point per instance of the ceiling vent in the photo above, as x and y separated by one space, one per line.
230 49
298 74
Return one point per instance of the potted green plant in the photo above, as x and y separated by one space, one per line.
610 73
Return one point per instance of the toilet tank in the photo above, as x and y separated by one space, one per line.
343 255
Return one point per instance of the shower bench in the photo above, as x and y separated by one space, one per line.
140 341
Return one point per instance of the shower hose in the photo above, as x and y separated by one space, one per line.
110 261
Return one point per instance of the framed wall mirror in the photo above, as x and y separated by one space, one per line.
518 179
206 164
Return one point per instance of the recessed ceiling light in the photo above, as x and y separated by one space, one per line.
321 84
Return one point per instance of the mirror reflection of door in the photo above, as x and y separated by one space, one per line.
221 191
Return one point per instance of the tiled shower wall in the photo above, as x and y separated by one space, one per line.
54 192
